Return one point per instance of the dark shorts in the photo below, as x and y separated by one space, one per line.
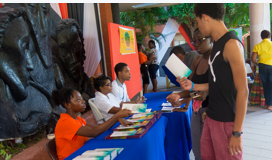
152 68
144 72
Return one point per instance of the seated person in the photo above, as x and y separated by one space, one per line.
105 101
119 89
71 131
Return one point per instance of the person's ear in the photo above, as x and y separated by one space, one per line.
205 18
211 40
67 105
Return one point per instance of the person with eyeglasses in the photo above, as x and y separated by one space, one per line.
228 91
199 75
105 101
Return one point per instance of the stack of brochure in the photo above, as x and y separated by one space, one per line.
100 154
142 123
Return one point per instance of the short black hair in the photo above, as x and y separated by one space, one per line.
214 10
197 29
177 50
99 81
119 67
265 34
139 45
62 96
152 41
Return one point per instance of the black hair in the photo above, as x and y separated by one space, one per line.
214 10
265 34
152 41
62 96
119 67
197 29
139 45
99 81
177 50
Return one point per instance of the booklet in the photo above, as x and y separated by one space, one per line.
141 114
135 108
92 157
118 150
177 67
168 109
123 133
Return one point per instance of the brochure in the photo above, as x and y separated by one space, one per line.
123 133
135 108
177 67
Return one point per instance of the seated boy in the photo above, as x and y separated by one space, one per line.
119 89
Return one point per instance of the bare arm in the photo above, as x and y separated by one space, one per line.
149 61
234 54
187 85
114 110
87 131
254 57
240 80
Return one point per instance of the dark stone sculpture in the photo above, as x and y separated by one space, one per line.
22 112
70 57
30 95
27 72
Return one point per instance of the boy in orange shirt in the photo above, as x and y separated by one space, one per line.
71 130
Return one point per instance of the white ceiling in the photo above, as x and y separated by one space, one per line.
123 7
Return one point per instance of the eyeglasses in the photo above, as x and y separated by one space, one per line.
108 84
199 41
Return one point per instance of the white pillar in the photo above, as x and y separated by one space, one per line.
259 15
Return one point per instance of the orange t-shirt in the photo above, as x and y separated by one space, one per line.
142 57
67 141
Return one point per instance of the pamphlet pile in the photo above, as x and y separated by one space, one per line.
100 154
142 123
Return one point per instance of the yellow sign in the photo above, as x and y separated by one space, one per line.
127 41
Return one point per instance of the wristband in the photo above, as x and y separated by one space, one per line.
192 87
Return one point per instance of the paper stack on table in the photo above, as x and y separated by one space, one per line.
168 109
135 108
182 70
100 154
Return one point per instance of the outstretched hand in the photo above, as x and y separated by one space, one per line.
185 83
140 100
202 97
173 97
124 122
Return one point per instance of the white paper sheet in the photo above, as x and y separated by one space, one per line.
177 67
135 108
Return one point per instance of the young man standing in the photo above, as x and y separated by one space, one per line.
228 92
119 88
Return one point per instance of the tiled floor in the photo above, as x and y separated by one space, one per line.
257 140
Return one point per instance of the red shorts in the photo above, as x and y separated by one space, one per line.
215 141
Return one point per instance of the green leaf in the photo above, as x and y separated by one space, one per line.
22 145
10 149
3 152
8 157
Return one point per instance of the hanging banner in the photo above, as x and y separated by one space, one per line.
127 41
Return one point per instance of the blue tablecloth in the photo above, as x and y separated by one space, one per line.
177 142
149 147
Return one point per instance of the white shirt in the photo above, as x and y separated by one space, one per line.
153 51
104 104
120 90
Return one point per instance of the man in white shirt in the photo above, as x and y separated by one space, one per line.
119 89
